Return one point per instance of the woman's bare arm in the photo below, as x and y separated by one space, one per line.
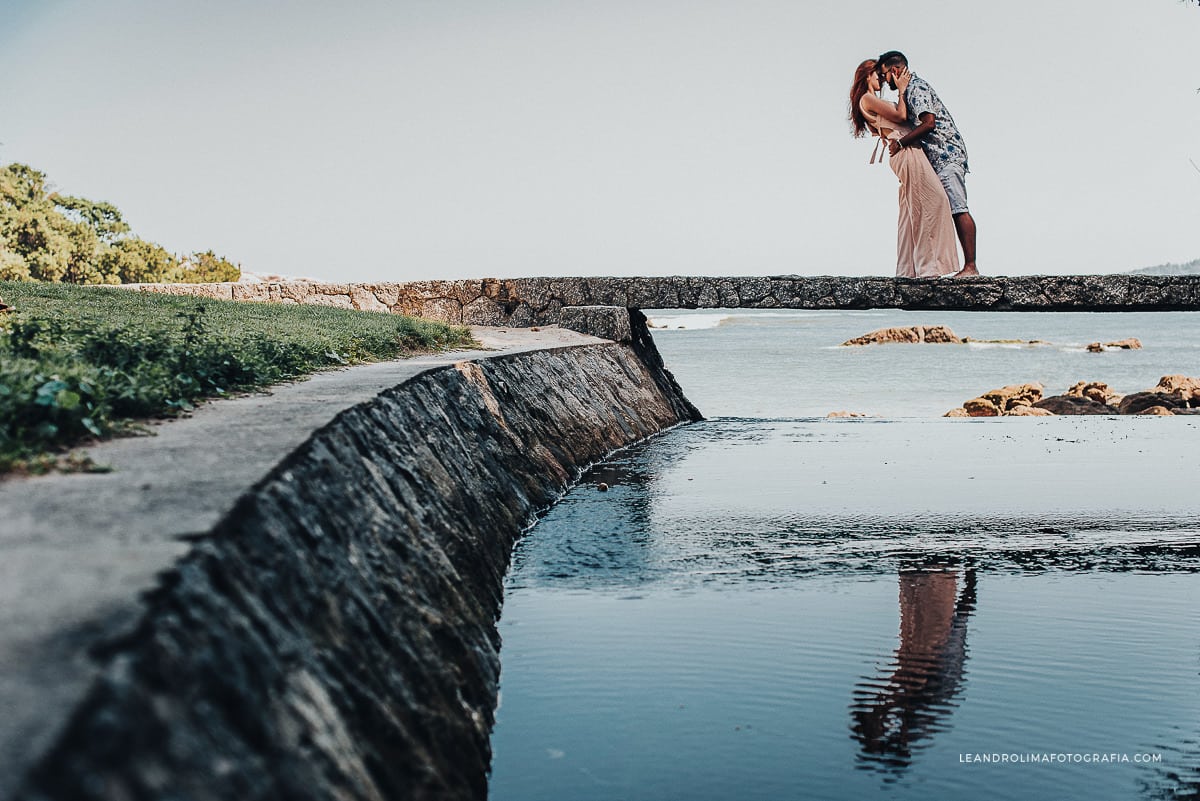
870 104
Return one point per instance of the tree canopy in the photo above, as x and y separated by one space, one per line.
46 236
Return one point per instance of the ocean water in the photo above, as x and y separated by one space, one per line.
790 363
774 605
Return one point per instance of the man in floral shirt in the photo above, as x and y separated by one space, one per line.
934 130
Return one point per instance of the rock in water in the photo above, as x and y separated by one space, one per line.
1096 391
981 407
1181 388
1013 395
1129 343
916 334
1001 401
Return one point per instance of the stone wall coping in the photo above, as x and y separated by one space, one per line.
541 300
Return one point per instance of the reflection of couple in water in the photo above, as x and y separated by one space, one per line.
929 157
909 703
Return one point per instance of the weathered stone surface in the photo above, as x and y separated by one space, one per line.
1072 404
334 636
362 297
482 311
1137 402
538 301
1174 394
1159 411
606 322
1003 401
928 334
1006 398
1180 388
1028 411
981 407
1096 391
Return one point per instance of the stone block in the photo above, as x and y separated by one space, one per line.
606 322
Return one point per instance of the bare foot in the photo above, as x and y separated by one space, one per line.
967 271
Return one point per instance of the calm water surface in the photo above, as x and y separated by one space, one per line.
770 605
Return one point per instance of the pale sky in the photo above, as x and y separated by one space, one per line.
417 139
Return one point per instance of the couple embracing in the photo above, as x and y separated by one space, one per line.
929 157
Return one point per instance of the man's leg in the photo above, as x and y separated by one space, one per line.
953 178
964 223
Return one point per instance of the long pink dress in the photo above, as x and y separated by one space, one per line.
926 243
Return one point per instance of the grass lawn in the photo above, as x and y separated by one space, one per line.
79 363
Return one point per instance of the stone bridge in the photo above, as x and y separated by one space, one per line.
540 301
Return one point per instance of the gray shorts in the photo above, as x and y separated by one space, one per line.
954 179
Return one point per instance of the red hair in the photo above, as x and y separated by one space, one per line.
857 89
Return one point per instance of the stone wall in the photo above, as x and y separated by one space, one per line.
334 637
539 301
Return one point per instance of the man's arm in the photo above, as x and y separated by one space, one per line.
928 120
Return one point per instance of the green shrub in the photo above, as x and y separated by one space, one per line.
81 362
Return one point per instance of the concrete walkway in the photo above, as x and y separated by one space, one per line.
78 551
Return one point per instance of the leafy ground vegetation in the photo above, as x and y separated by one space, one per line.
79 363
49 236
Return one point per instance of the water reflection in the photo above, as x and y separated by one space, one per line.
646 530
649 625
912 698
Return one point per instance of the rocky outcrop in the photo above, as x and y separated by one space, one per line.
1096 391
1139 402
1131 343
539 301
334 636
915 334
1174 394
1180 388
1003 401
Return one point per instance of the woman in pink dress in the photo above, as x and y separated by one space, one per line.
926 243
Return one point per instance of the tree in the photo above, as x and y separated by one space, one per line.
33 234
12 265
103 218
45 236
205 268
136 261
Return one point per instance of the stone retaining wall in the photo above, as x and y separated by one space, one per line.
539 301
334 637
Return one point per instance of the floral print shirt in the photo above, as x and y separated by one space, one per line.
943 145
